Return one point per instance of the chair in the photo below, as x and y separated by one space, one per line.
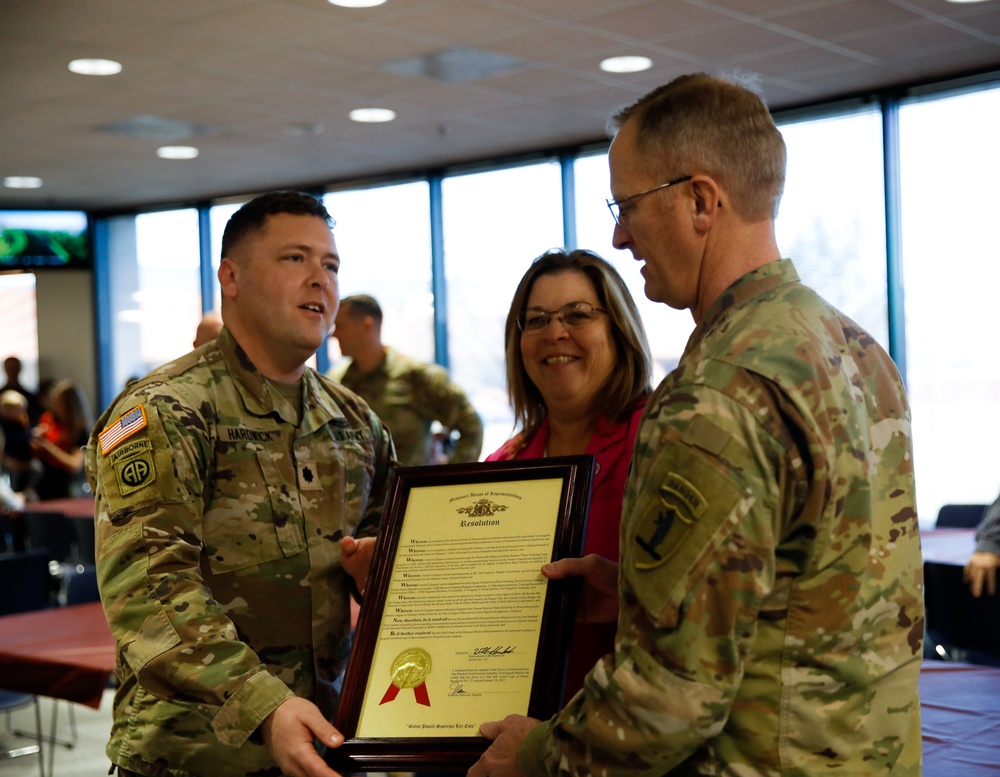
960 626
81 584
50 530
11 701
960 516
25 582
83 530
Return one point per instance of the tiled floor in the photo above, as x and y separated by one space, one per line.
86 759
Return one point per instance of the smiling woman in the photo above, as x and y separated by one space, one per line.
578 373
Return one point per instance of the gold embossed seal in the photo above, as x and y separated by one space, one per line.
409 669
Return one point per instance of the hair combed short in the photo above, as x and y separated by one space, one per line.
632 376
361 305
252 217
700 123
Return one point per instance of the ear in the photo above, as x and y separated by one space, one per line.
228 271
707 202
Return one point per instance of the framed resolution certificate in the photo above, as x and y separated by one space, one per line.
458 625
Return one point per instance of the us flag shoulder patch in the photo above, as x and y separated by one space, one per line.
130 423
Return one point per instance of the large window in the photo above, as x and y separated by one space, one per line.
19 324
218 217
950 163
384 240
831 223
495 224
155 290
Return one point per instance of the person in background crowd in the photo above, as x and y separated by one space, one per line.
12 369
10 502
230 487
16 427
58 442
578 374
770 583
208 328
981 570
409 396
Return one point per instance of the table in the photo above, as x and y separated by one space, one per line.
80 507
64 652
960 716
947 546
957 622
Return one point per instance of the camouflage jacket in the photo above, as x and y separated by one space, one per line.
409 396
770 584
219 514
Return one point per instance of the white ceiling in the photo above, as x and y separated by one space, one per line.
244 74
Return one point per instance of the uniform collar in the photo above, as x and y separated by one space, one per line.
260 398
755 283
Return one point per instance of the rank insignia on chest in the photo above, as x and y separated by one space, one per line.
309 477
661 531
133 421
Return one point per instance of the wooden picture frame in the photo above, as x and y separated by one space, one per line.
458 626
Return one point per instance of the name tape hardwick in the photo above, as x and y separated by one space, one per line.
130 423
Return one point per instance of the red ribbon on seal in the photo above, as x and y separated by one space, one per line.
419 693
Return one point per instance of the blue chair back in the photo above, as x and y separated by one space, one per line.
960 516
25 582
81 584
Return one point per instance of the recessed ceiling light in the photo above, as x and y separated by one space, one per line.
177 152
631 64
22 182
965 1
372 115
356 3
95 67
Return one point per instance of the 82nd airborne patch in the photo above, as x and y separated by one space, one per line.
134 466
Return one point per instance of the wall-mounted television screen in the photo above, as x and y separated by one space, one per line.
41 239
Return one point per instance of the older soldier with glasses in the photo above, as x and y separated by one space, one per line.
769 592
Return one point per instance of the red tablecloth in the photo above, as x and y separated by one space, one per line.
960 713
65 652
75 507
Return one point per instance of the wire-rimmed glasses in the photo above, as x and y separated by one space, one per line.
574 314
615 206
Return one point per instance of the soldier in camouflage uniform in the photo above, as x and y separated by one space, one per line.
770 587
407 395
225 483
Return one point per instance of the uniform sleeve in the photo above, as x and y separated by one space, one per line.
177 640
437 397
988 531
697 560
384 462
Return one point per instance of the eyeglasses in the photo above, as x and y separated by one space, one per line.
615 206
575 314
